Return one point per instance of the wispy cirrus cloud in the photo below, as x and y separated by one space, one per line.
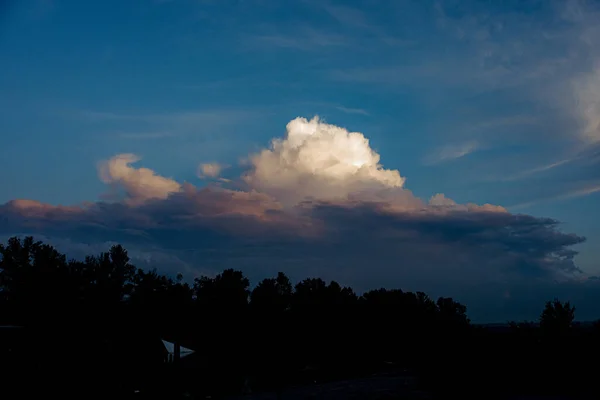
538 65
348 110
165 125
580 191
356 21
587 92
352 29
175 118
452 152
595 188
536 170
503 122
305 38
349 16
144 135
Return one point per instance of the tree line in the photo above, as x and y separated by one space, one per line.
274 334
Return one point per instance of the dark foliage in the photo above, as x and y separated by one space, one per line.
94 327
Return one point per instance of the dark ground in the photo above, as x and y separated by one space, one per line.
392 385
389 386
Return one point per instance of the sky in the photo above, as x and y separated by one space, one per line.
445 146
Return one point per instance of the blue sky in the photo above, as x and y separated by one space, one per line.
486 102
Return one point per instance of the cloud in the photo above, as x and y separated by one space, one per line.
580 164
351 29
317 202
538 66
580 191
303 38
587 96
584 191
348 16
173 118
585 85
144 135
452 152
210 170
503 122
355 20
140 184
569 178
541 168
167 123
540 62
319 160
352 110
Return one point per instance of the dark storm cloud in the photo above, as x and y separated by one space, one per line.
364 242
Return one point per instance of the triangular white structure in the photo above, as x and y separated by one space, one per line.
183 351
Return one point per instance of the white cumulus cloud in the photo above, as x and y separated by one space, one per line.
141 184
319 160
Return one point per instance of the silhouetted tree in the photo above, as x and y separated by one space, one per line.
222 306
112 275
227 291
272 295
151 291
35 278
557 317
452 312
270 302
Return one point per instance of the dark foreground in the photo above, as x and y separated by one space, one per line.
399 385
94 329
511 363
387 387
